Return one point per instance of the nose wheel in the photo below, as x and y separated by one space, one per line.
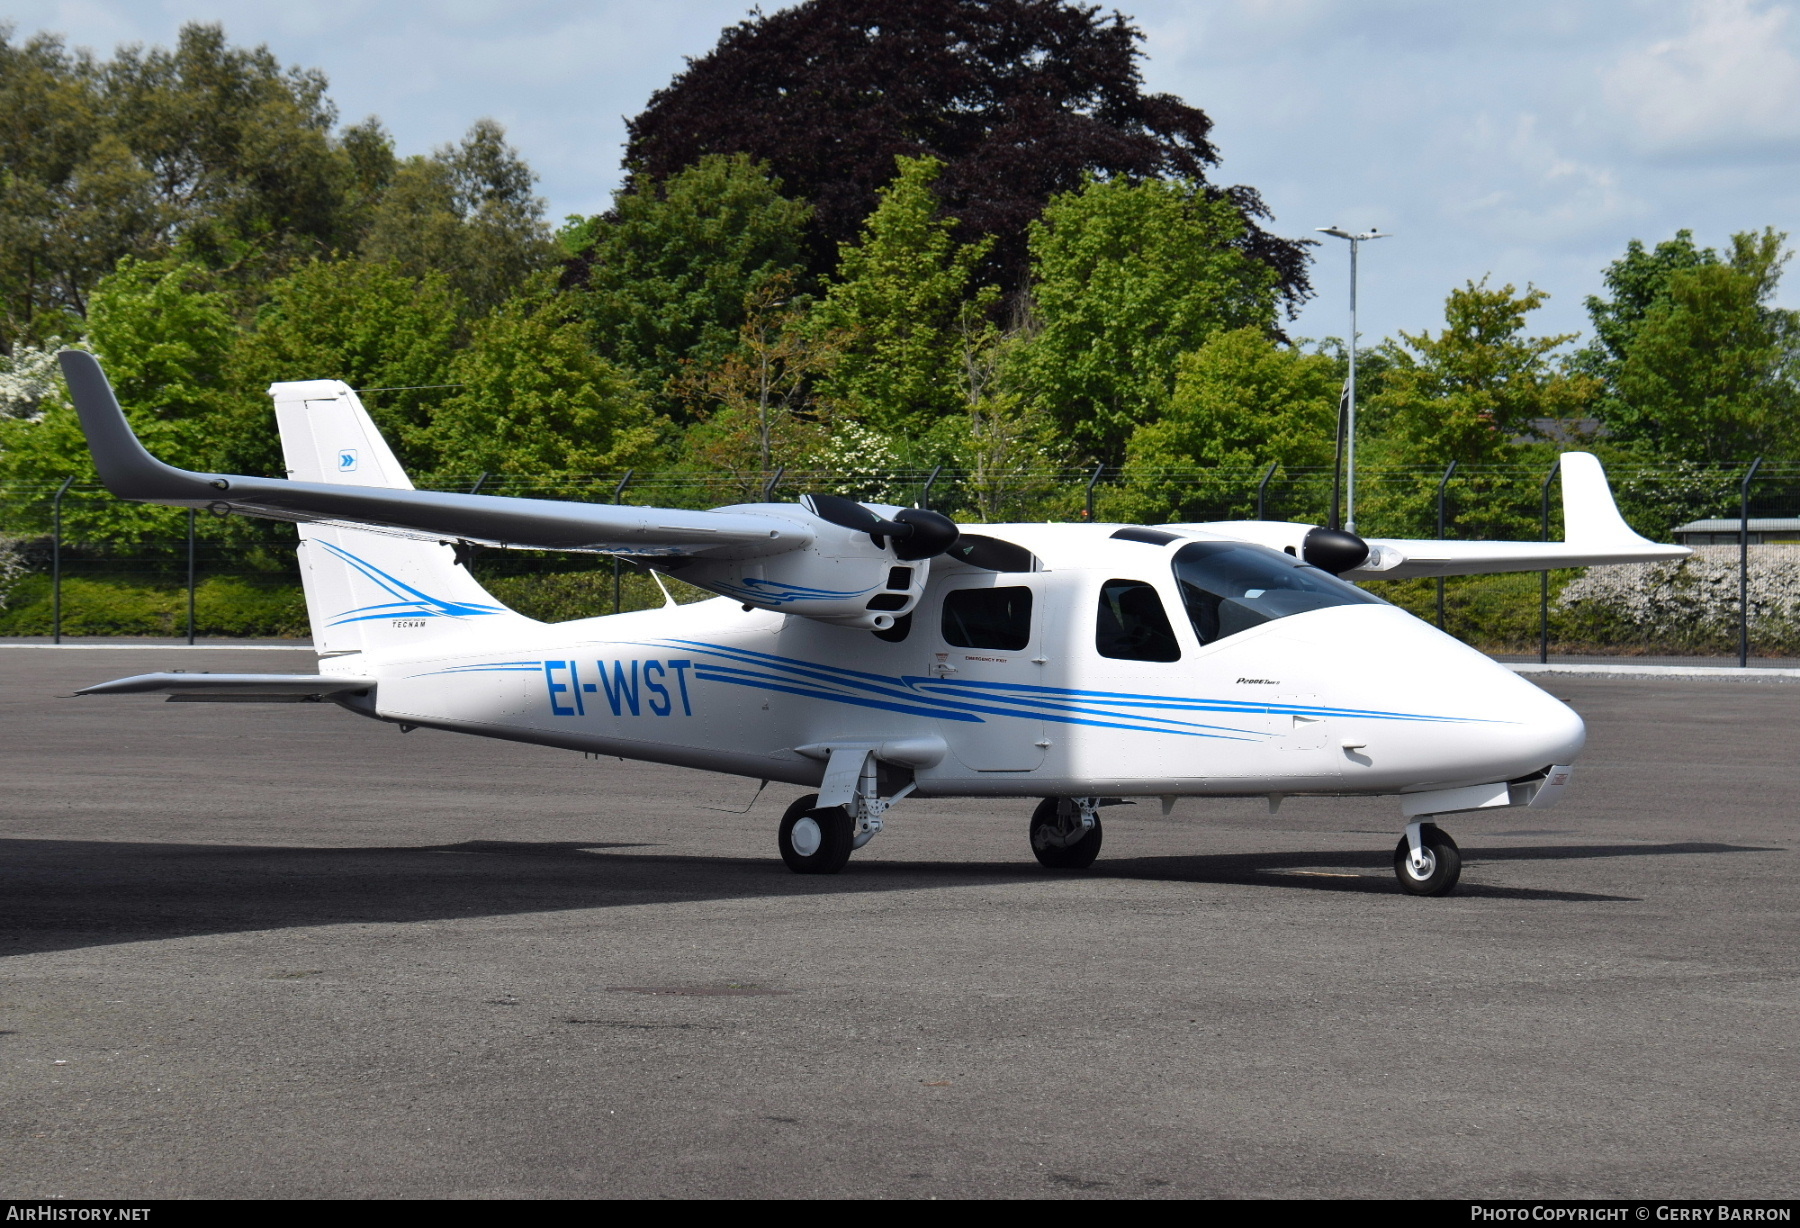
1065 832
1426 861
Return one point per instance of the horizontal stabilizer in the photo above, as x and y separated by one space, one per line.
130 472
245 685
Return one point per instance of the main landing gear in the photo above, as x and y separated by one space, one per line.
818 839
1426 861
1066 833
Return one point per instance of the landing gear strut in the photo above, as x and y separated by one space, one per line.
1426 861
1065 832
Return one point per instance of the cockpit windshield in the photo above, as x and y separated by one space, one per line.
1230 587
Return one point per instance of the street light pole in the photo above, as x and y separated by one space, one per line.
1355 241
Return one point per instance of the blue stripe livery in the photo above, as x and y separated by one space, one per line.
774 592
643 687
973 701
409 602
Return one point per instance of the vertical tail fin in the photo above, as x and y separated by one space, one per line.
368 591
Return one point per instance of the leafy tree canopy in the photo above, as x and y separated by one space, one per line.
665 275
1129 276
1019 99
1712 369
535 400
206 151
1466 393
467 212
899 297
1638 280
368 324
166 340
1241 401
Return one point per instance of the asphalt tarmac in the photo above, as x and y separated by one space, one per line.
284 951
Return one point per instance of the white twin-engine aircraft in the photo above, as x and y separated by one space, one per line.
875 652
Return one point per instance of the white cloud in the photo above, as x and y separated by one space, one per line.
1728 83
1523 187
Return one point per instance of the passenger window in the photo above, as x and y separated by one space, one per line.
988 618
1131 624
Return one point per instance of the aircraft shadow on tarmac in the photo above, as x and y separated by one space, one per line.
63 895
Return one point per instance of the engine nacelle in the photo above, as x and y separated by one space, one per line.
851 576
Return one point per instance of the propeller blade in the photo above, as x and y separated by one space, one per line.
916 533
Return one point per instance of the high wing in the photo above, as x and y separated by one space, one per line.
1594 535
130 472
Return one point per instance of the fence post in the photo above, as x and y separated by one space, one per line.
190 584
1544 576
1443 485
479 483
1092 482
774 479
925 495
1744 563
618 495
1262 491
56 561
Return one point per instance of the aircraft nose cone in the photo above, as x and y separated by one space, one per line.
1437 712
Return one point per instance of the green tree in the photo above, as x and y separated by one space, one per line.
755 411
1636 282
371 325
1469 395
897 303
667 271
1241 403
1129 276
206 152
536 402
166 341
467 212
1711 372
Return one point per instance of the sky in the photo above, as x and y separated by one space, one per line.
1525 142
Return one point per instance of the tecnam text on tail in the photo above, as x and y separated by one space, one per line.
875 652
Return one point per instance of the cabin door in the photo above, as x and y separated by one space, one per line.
985 635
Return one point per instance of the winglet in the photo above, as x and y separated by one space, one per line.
1590 517
127 469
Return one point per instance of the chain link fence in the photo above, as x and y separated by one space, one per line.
76 562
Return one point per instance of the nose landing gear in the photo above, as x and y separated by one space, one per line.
1065 832
1426 861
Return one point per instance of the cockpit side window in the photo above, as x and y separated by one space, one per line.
988 617
1230 587
1131 624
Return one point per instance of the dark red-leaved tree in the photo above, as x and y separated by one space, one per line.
1019 98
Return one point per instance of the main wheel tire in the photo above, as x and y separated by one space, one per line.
815 841
1077 856
1443 863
